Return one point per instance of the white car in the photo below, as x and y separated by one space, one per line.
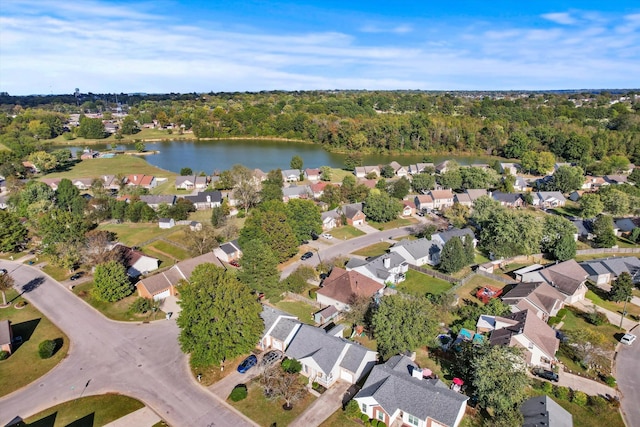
327 236
628 339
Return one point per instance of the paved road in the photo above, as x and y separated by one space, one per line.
139 360
628 376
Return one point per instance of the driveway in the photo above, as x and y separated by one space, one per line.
223 388
139 360
324 406
170 304
586 305
628 376
592 388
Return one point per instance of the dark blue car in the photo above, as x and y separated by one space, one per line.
247 364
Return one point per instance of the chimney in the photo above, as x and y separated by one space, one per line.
416 373
208 199
386 262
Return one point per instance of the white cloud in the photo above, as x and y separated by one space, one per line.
563 18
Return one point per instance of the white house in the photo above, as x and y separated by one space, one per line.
418 252
386 268
228 251
166 222
291 175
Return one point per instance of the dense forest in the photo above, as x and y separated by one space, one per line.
582 128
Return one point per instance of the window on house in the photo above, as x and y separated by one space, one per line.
414 421
364 408
381 415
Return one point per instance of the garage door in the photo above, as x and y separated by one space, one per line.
358 222
347 376
161 295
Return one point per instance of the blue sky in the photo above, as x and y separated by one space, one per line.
49 46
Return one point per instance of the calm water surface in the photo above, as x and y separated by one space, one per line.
210 156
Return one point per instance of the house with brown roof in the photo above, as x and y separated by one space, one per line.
362 171
442 198
464 199
475 193
424 202
317 188
568 277
342 287
52 182
525 330
164 284
398 169
6 336
141 180
312 174
541 298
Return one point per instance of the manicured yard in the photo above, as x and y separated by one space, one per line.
468 290
419 284
118 310
120 164
24 365
337 175
166 247
9 255
346 232
598 297
212 373
339 419
267 412
133 234
144 135
374 250
87 411
298 308
625 243
398 222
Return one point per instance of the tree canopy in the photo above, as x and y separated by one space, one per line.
111 282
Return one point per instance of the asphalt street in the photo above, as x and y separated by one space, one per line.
139 360
628 377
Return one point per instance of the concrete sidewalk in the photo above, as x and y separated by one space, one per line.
324 406
366 228
144 417
592 388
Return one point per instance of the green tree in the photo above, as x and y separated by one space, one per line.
401 324
387 171
186 172
474 177
453 257
220 319
603 230
6 283
259 267
615 201
567 179
43 160
217 217
332 195
558 237
634 176
304 218
352 160
423 182
590 205
537 162
622 288
140 147
129 126
296 162
325 173
508 233
452 178
381 207
91 128
68 197
517 145
12 232
400 188
111 283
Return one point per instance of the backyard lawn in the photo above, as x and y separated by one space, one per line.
419 284
86 411
374 250
169 249
298 308
24 365
468 290
339 419
117 165
398 222
598 297
269 412
346 232
118 310
133 234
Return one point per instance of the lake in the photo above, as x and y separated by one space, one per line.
210 156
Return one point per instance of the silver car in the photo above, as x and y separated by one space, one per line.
271 357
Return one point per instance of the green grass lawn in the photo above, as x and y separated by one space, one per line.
625 243
398 222
374 250
144 135
133 234
118 310
24 365
298 308
12 256
120 164
346 232
339 419
86 411
4 147
419 284
337 175
598 297
268 412
468 290
166 247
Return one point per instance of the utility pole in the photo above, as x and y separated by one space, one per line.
624 311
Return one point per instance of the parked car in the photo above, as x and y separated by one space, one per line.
271 357
234 263
3 271
628 339
248 363
314 235
306 255
546 374
327 236
76 276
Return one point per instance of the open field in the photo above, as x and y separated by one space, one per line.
373 250
24 365
169 249
133 234
120 164
86 411
143 135
419 284
118 310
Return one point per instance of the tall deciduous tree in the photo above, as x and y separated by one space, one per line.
453 257
423 182
12 232
200 241
567 179
259 267
111 282
43 160
603 229
304 218
68 197
558 237
381 207
590 205
220 319
296 162
622 288
401 324
6 283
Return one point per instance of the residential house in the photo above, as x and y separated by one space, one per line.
418 252
396 393
442 198
593 182
82 183
387 268
330 220
616 179
509 168
137 263
166 223
52 182
312 174
259 176
141 180
296 192
464 199
568 277
510 200
206 199
229 251
353 213
625 226
544 411
291 175
369 183
540 297
343 287
584 227
527 331
317 189
201 182
110 182
165 284
548 199
30 167
6 336
442 167
89 154
419 168
279 328
476 193
185 182
155 201
398 169
604 271
424 202
443 237
521 184
363 171
408 208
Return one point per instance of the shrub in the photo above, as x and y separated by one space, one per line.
241 214
381 424
561 392
238 393
364 418
579 398
140 305
598 404
352 409
596 318
611 382
561 313
46 349
374 423
4 355
312 294
291 366
547 387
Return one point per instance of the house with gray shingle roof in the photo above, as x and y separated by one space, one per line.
396 392
291 175
154 201
386 268
568 277
279 328
540 297
544 411
605 270
296 192
228 251
419 252
463 233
